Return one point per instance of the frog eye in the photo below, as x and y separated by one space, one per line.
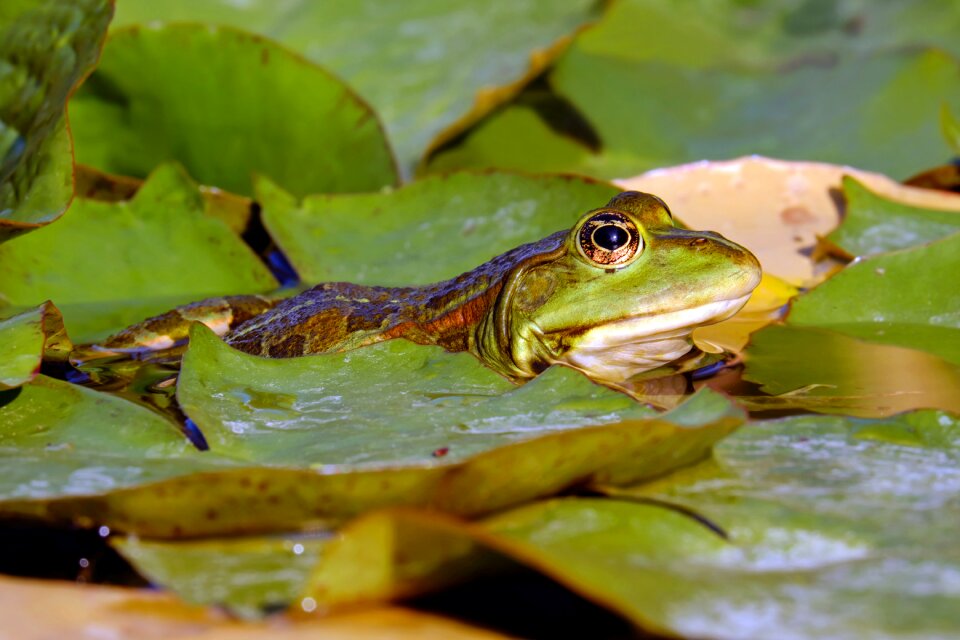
609 239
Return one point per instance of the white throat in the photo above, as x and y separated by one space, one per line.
617 351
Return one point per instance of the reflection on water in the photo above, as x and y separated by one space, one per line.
147 378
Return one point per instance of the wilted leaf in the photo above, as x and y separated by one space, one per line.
819 370
874 224
225 104
107 265
24 341
424 232
46 48
775 208
39 610
407 59
900 298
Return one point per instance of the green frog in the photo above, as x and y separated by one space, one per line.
617 294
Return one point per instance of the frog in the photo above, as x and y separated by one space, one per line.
617 294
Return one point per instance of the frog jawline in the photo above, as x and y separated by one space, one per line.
620 350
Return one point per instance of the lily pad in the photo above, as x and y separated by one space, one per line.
225 104
93 184
899 298
776 208
120 612
524 456
874 224
951 128
46 49
247 574
109 264
406 58
819 370
25 339
874 109
58 439
427 231
828 525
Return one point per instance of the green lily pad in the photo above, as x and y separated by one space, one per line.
900 299
517 139
294 475
427 231
407 58
820 370
46 48
874 224
108 264
951 128
225 104
445 387
246 574
656 106
769 35
58 439
232 209
25 339
828 526
391 403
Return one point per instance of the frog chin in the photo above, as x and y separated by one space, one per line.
618 350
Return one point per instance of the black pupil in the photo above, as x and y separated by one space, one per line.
611 237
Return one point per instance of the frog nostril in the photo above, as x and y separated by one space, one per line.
697 242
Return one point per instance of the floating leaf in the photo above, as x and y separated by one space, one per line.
107 265
60 609
46 48
246 574
833 526
424 232
775 208
323 481
819 370
405 58
92 184
865 104
951 128
225 104
874 224
765 306
517 139
898 299
25 339
729 33
59 439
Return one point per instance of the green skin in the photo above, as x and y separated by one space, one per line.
548 302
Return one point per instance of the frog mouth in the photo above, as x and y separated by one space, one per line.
616 351
654 327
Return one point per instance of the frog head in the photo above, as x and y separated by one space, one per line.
618 294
